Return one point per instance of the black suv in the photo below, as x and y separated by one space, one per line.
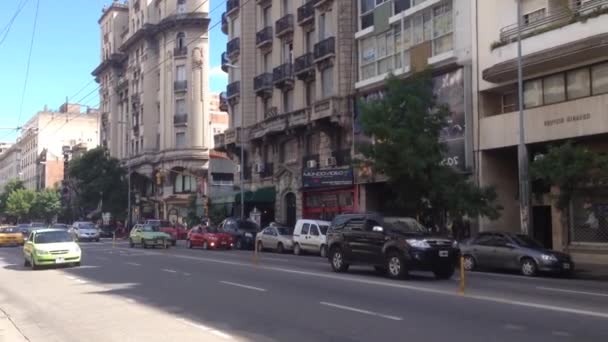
393 246
243 232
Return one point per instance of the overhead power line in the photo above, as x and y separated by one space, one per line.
7 28
29 59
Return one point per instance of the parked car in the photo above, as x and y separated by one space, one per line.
25 230
310 236
148 236
60 226
11 236
243 232
167 227
279 239
510 251
106 231
85 231
208 238
393 246
51 247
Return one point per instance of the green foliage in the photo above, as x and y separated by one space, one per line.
46 205
192 219
406 126
571 168
11 185
96 176
19 203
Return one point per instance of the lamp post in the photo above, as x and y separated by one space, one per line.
242 151
522 149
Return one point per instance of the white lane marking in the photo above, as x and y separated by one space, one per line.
598 314
220 334
168 270
366 312
243 286
561 333
598 294
132 264
514 327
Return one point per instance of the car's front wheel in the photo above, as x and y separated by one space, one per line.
296 249
338 264
280 248
528 267
323 251
238 244
468 262
395 266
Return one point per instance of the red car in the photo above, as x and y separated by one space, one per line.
209 238
167 227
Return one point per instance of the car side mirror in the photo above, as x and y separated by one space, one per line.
378 229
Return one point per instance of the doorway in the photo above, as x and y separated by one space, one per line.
290 209
542 225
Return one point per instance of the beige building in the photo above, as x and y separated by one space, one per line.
565 97
291 76
155 100
43 137
10 165
218 117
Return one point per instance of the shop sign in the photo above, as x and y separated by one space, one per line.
327 177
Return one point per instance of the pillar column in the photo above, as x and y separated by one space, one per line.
195 119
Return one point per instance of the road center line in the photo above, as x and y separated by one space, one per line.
243 286
366 312
168 270
598 294
132 264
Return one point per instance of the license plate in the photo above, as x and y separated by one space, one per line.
444 254
59 261
223 242
566 266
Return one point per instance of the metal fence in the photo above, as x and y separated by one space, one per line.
589 217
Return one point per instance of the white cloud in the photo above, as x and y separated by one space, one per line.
217 72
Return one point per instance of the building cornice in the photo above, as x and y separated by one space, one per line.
115 60
115 6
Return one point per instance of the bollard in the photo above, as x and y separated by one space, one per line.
113 239
255 254
461 291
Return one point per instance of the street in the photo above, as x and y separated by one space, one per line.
124 294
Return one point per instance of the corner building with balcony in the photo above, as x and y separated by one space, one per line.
291 79
154 100
401 37
565 74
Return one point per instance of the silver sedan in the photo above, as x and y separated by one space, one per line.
279 239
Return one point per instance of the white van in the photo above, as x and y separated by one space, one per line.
310 236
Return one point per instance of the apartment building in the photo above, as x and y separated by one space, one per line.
218 117
155 100
565 73
42 139
400 37
291 80
10 164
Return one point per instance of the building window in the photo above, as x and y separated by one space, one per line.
324 27
180 73
267 62
266 103
309 41
180 140
442 29
366 13
288 101
181 6
533 93
509 102
267 16
309 93
286 8
180 107
554 89
599 74
184 184
534 16
327 82
288 52
401 5
578 83
289 151
180 40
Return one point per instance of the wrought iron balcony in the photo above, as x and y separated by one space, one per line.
262 84
271 112
225 62
233 48
223 102
233 89
180 85
180 119
304 67
232 6
306 13
282 76
284 25
264 37
180 51
325 49
224 23
267 170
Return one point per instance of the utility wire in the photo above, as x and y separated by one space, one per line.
29 59
7 28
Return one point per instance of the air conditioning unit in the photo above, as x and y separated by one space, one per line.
311 164
331 161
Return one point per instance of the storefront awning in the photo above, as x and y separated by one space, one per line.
262 195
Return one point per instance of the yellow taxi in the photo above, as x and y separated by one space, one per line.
10 236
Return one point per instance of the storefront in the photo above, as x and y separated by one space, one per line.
327 193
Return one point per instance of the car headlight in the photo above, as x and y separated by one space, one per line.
418 243
41 252
548 257
75 249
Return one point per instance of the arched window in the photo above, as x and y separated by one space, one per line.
180 40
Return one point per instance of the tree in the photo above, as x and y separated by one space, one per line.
570 168
405 126
11 185
19 203
95 178
46 205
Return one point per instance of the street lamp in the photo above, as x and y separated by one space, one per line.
242 160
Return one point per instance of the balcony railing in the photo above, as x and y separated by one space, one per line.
232 6
306 13
223 102
282 75
271 113
233 48
325 49
225 62
180 119
267 170
180 51
264 37
233 89
575 10
284 25
262 84
180 85
224 23
304 66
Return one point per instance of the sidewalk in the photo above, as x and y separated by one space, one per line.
591 272
8 331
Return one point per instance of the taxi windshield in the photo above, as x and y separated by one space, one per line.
52 237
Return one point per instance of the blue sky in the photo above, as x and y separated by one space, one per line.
65 51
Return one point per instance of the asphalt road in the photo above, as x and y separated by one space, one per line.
123 294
